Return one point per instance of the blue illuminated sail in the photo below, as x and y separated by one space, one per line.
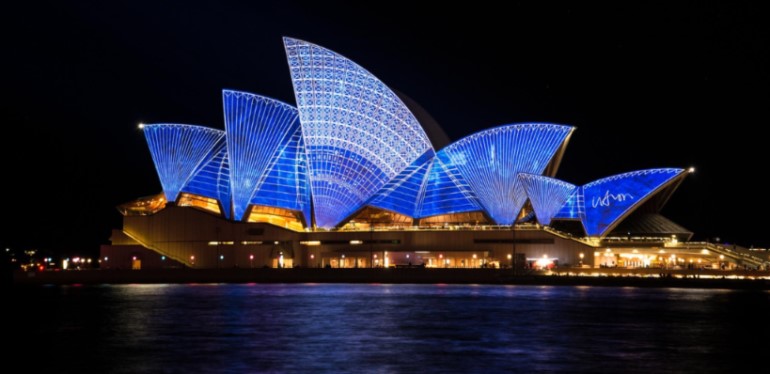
547 195
212 179
403 193
285 184
446 191
351 142
257 128
491 160
178 151
610 199
358 134
573 208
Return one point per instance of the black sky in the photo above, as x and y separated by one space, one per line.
647 85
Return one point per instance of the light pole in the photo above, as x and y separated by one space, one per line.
251 261
513 244
218 244
371 239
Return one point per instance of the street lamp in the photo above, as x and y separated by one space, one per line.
251 261
581 258
513 245
371 236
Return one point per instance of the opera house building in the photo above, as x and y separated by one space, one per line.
354 174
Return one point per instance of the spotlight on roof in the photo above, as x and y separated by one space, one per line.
141 126
691 169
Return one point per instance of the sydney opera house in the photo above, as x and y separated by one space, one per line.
358 175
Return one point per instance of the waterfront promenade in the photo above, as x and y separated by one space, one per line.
562 276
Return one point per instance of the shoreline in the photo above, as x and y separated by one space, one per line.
561 277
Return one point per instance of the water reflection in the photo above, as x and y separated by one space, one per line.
388 328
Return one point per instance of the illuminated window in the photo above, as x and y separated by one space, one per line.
143 206
370 217
276 216
200 202
464 219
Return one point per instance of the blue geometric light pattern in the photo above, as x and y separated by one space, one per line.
574 207
177 151
546 194
446 191
607 200
256 128
358 134
338 184
404 192
286 185
491 160
212 179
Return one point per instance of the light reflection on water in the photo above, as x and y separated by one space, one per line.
388 328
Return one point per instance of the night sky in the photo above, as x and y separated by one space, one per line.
646 85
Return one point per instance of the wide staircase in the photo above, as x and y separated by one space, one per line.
742 256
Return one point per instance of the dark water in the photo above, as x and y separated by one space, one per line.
388 328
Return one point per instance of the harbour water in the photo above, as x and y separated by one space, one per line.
387 328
